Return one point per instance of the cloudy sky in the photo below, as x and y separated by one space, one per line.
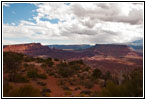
72 23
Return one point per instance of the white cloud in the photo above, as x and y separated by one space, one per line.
113 12
83 23
7 42
6 4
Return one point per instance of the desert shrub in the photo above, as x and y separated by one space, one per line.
113 90
96 73
18 78
6 89
71 82
132 87
77 88
51 73
82 77
41 83
25 65
64 87
82 95
42 76
65 71
43 65
107 76
32 74
56 59
94 94
40 60
67 93
62 65
86 69
61 83
12 61
45 92
49 59
23 70
76 62
87 92
88 84
25 91
28 59
75 67
32 65
49 63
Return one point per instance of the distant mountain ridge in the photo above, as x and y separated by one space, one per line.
36 49
137 45
70 47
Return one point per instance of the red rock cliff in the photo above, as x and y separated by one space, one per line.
30 48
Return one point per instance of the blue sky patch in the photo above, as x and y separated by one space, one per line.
53 21
17 12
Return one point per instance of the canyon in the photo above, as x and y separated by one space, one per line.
106 57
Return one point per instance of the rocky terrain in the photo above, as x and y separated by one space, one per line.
102 56
36 49
26 76
37 70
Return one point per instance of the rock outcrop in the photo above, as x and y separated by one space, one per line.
29 49
36 49
114 50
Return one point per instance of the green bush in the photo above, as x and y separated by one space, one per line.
12 61
18 78
62 65
107 76
75 67
42 76
25 91
61 83
76 62
64 87
86 69
46 92
88 84
28 59
87 92
49 59
131 87
56 59
44 65
49 63
40 60
25 65
41 83
6 89
65 71
77 88
67 93
96 73
32 74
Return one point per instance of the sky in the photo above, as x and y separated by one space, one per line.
72 23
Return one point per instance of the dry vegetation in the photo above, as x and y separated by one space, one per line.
26 76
